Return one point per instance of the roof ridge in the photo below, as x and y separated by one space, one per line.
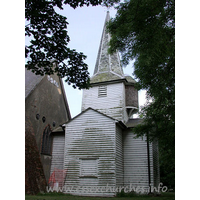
90 108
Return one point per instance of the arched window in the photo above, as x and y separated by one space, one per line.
46 141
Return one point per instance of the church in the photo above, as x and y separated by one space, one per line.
98 147
46 108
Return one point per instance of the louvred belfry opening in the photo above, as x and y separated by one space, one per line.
102 92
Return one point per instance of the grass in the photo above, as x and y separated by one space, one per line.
60 196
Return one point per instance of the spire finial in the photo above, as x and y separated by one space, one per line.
108 9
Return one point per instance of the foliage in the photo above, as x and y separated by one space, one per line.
144 30
49 39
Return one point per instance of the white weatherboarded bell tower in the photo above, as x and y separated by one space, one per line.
112 93
100 152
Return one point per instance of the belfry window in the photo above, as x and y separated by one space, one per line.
46 141
102 92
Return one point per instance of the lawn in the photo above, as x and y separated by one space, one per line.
163 196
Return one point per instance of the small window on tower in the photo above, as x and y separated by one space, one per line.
102 91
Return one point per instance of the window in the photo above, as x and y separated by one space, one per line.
89 167
46 141
102 91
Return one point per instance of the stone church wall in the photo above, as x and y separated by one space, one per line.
45 106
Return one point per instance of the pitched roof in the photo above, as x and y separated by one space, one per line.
133 122
107 66
31 81
120 122
58 130
129 79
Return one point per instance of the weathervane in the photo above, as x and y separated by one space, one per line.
108 8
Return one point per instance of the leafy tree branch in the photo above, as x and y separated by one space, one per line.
49 39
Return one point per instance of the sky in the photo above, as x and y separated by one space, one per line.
85 29
89 24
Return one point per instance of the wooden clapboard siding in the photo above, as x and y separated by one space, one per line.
91 135
112 105
57 173
119 158
135 161
58 152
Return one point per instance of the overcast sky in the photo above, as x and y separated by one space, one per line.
85 30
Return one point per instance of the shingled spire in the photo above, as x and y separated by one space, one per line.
107 66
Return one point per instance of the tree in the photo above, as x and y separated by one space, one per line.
49 40
144 30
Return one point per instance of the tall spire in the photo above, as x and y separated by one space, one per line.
107 66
